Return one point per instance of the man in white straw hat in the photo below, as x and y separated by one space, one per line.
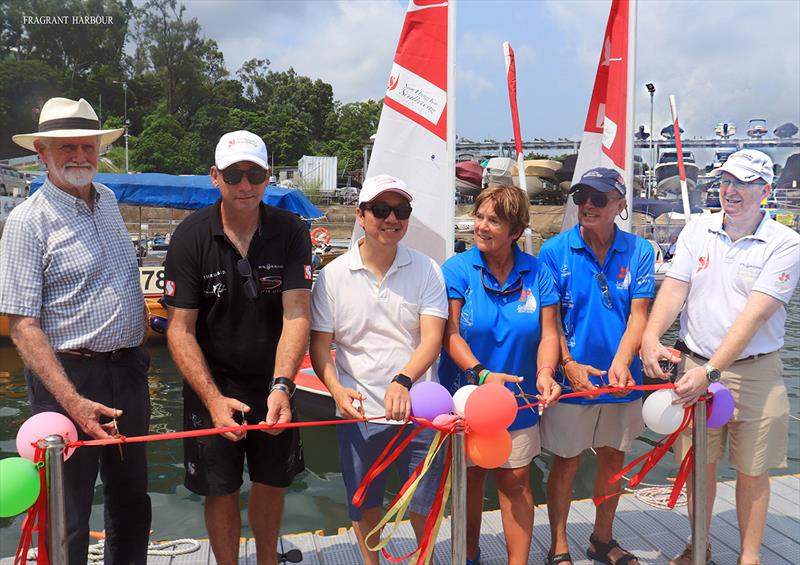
69 282
735 271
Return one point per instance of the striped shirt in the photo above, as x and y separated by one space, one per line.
73 269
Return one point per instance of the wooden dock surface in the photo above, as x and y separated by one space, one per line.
654 535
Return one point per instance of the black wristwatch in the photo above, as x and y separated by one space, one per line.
473 374
404 380
712 374
288 383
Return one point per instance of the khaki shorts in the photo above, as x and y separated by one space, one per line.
525 445
568 429
759 429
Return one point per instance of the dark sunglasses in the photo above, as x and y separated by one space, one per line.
233 175
602 282
599 199
382 211
246 271
515 288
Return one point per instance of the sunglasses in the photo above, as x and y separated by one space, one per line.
602 282
599 199
382 211
233 175
516 288
246 271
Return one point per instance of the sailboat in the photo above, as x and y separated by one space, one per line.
415 141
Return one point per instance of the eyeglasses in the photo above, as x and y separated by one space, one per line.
599 199
738 184
382 211
246 271
602 282
233 175
516 288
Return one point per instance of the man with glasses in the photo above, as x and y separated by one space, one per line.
605 278
238 276
735 271
384 306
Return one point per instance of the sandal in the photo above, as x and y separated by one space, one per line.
603 549
556 559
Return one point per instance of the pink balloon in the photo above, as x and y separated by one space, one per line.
720 407
490 409
41 425
444 420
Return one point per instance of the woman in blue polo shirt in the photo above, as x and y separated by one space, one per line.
502 328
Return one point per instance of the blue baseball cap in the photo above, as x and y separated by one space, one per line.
601 179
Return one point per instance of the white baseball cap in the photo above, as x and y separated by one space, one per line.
241 145
748 165
377 185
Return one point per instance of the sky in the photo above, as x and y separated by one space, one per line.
725 60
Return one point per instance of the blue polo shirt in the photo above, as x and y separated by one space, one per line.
596 300
501 324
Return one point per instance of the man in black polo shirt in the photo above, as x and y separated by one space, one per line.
238 276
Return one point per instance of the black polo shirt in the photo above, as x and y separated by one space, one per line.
238 335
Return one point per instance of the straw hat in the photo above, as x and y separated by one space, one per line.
62 117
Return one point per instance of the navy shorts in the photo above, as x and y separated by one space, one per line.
214 465
359 449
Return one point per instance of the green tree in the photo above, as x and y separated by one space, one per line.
166 147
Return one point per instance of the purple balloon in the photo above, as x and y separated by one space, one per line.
721 406
430 399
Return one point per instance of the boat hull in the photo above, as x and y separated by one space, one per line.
668 178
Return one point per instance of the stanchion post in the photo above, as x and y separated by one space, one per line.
699 479
458 508
56 508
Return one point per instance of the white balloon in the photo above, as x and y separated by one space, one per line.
660 415
460 398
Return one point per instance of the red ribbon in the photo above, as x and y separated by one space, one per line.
36 519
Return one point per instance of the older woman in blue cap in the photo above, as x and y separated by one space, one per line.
605 279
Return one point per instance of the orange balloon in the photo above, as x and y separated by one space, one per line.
489 450
490 408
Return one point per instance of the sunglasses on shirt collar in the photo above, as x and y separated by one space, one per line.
382 211
233 175
250 284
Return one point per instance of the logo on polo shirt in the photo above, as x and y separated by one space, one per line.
270 283
528 300
783 279
565 272
169 288
307 272
624 278
703 263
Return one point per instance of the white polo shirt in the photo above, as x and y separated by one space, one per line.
722 274
375 324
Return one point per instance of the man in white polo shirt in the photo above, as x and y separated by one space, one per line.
735 270
384 306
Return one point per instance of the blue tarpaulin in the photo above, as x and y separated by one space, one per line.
189 192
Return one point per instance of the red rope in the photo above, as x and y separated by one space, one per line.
36 519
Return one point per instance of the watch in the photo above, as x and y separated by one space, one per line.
402 379
473 374
712 374
282 382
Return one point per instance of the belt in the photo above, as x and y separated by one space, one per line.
84 353
681 346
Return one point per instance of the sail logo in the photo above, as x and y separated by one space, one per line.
528 301
393 80
625 278
416 94
703 263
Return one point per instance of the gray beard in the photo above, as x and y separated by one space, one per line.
78 177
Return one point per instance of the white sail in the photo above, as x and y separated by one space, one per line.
416 123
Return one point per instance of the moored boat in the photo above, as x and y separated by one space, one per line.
667 176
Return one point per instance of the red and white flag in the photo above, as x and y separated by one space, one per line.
608 134
511 75
417 122
687 210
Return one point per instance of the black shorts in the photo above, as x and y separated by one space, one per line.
214 465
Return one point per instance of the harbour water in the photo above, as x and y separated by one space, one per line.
316 499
